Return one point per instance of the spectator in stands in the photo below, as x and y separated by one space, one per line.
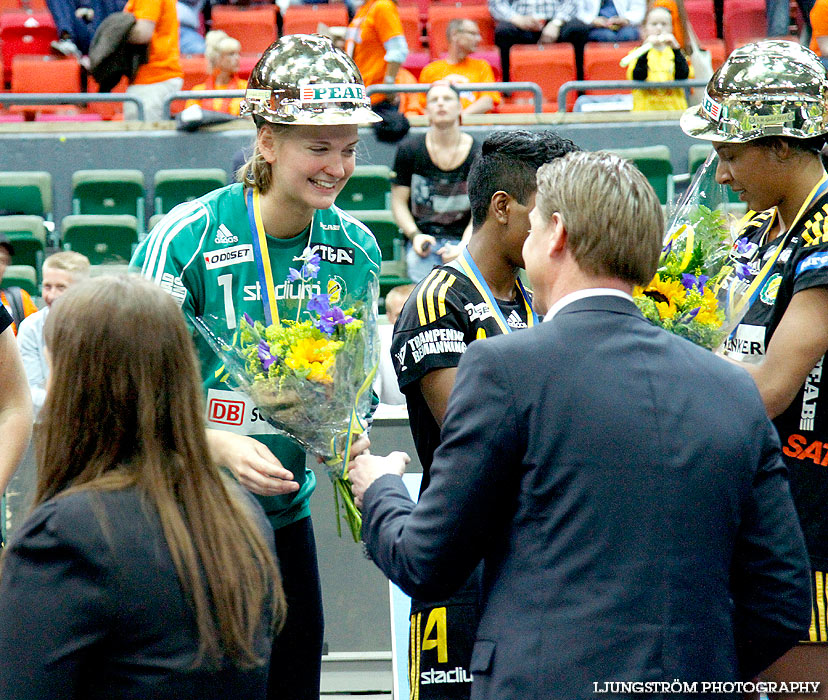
15 404
60 271
386 385
376 42
223 56
16 300
459 67
143 571
191 40
429 195
156 25
612 20
76 22
779 18
681 22
538 22
658 59
819 30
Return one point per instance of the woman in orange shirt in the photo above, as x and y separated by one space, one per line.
222 52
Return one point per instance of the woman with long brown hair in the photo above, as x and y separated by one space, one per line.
142 572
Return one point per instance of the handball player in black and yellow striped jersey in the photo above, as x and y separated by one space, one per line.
475 296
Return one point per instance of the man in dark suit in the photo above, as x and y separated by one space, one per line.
623 487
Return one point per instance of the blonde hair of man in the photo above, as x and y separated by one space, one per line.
611 214
69 261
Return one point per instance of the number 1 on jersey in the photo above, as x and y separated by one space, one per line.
226 281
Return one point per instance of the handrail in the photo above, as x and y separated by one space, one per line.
571 85
74 98
198 95
534 88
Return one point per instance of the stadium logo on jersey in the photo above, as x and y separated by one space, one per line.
335 289
329 227
771 289
225 412
338 255
438 341
478 312
228 256
515 321
812 262
225 236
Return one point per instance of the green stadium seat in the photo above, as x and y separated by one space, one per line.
655 163
27 234
109 192
23 276
26 193
104 238
368 188
175 186
391 244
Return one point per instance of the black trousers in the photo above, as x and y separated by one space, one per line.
296 660
573 32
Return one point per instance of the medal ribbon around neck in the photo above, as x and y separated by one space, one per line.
470 268
819 189
254 214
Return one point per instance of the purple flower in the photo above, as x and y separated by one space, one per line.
265 355
742 271
744 247
310 270
293 274
693 282
319 303
331 318
247 318
690 315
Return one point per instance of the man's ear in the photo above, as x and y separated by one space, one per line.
499 207
266 143
557 234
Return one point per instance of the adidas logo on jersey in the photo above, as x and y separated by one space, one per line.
515 321
224 235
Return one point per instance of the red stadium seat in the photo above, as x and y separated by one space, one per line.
113 111
742 21
304 19
439 17
195 70
254 27
410 17
28 74
702 17
247 62
549 66
716 48
23 33
602 61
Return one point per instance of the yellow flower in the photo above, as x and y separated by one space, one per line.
315 356
709 311
666 311
669 291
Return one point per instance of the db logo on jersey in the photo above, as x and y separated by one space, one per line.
227 412
228 256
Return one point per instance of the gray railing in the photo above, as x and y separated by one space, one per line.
71 98
534 88
198 95
579 85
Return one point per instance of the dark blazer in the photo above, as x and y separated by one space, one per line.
625 491
91 608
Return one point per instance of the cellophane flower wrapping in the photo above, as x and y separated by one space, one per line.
698 291
309 374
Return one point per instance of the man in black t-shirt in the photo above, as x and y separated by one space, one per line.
475 296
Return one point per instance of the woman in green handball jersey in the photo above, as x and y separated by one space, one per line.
229 252
766 112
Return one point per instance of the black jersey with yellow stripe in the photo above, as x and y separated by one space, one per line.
444 313
803 426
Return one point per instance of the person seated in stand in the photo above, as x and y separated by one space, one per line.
612 20
143 571
60 271
17 301
77 21
191 40
459 67
658 59
429 194
386 385
223 55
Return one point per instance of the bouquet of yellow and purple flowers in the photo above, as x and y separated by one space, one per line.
309 375
699 292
